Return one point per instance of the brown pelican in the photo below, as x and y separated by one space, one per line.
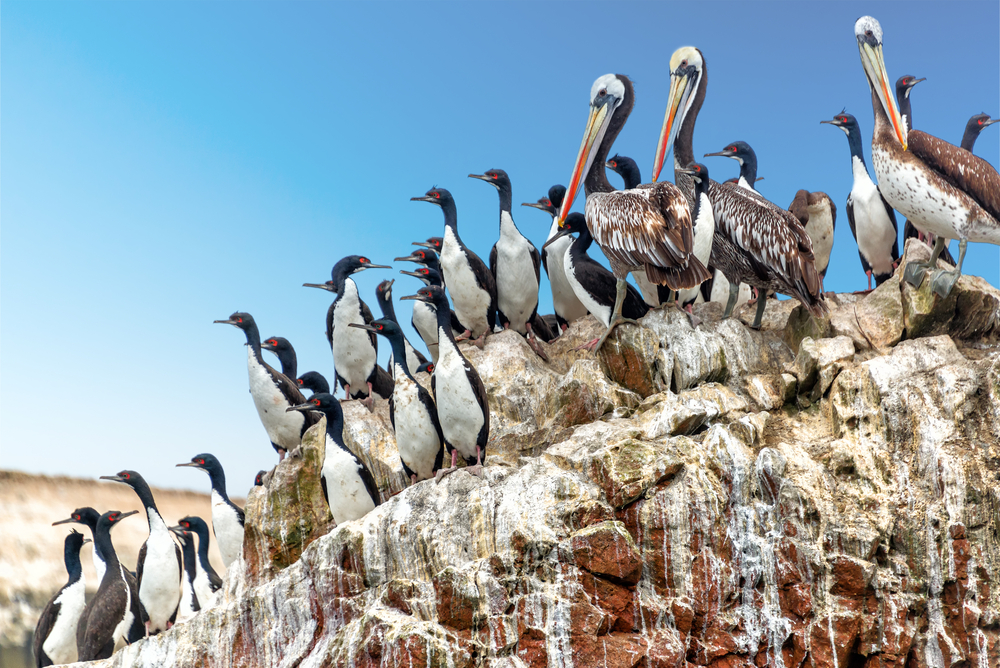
756 242
818 214
647 228
941 188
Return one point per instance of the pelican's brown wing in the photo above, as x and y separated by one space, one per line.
649 227
967 172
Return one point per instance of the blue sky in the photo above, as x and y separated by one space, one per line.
163 165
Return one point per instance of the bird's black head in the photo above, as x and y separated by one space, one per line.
438 196
85 515
113 517
556 195
314 381
575 222
434 243
321 402
978 122
544 204
431 294
426 367
383 326
278 344
737 150
904 84
495 177
194 523
845 122
352 264
239 319
420 256
426 274
204 462
384 289
258 480
130 478
183 535
697 171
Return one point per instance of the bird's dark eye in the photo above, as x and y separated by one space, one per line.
76 517
980 121
379 327
239 319
363 260
602 92
437 195
126 476
315 402
684 63
201 461
613 164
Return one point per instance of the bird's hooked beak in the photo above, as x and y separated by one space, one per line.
114 478
191 464
410 273
990 122
228 321
484 177
323 286
597 124
873 61
536 205
87 540
360 326
408 258
122 516
563 231
369 265
417 297
425 244
66 521
424 198
723 153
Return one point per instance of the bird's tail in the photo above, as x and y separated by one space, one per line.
679 278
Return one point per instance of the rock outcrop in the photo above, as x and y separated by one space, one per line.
819 493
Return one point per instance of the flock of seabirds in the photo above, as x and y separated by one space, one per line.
681 241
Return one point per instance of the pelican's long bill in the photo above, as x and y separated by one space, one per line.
597 125
684 80
869 35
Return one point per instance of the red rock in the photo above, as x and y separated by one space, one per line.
398 594
617 650
607 549
731 661
455 607
821 649
615 600
664 651
848 577
796 600
683 616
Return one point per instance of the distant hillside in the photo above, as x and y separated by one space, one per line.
31 552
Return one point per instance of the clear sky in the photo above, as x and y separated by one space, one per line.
166 164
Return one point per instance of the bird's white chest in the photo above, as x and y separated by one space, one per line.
353 353
873 227
416 438
565 302
203 587
909 191
348 497
459 412
185 610
600 311
470 301
425 322
282 428
160 589
60 645
517 286
228 530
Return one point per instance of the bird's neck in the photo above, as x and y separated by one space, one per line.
506 196
450 212
73 566
218 480
630 175
443 311
399 354
335 428
748 170
288 361
253 340
102 542
387 308
583 241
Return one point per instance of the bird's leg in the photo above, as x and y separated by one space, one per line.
944 281
534 344
147 628
370 400
347 392
481 341
761 305
734 293
478 468
413 479
869 273
451 469
915 271
616 316
467 334
281 451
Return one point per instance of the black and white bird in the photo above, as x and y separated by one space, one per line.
383 294
272 391
515 265
411 411
976 124
643 229
114 617
470 283
433 243
313 381
355 352
424 318
903 86
283 349
258 480
654 295
158 569
703 222
206 580
818 214
227 517
872 220
566 304
55 634
459 393
593 284
942 189
743 153
348 485
88 517
189 605
756 242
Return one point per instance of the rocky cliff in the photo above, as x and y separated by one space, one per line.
819 493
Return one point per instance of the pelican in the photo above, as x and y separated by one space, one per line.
646 228
942 189
756 242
